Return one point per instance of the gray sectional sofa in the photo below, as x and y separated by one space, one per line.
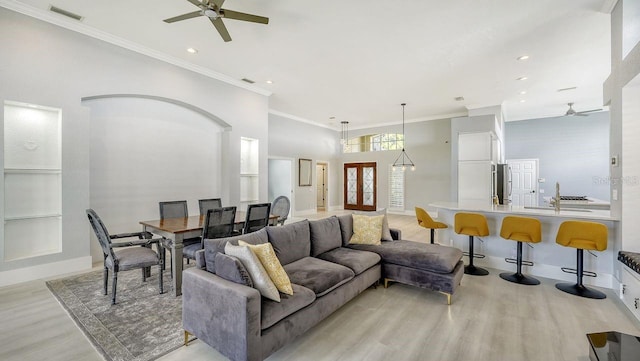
222 309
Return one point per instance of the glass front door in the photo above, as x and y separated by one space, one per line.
360 186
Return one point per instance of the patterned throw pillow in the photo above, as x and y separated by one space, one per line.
259 275
366 230
270 262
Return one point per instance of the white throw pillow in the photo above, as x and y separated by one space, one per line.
261 280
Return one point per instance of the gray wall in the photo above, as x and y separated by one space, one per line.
45 64
428 145
294 139
572 150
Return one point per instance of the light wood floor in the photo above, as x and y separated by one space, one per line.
490 319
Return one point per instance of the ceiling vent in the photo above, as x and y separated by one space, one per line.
248 81
565 89
66 13
458 99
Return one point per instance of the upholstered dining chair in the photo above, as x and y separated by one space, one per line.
129 256
257 217
218 223
206 204
280 207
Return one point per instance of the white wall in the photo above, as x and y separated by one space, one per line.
427 143
44 64
295 139
144 151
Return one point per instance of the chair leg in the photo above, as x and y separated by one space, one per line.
470 269
144 274
105 280
518 277
578 288
160 277
113 287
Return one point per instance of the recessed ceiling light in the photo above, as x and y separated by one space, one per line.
269 81
458 99
332 117
523 78
192 50
523 92
523 57
522 100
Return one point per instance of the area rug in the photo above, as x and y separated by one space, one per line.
143 325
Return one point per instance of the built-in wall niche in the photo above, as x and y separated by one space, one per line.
32 181
249 172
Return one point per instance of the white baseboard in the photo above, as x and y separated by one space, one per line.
544 270
48 270
306 212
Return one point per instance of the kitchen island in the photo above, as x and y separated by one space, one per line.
548 257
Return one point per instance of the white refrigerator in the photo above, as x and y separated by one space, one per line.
476 181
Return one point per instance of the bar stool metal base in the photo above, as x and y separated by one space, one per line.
580 290
475 271
519 278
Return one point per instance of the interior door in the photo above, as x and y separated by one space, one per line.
360 186
524 182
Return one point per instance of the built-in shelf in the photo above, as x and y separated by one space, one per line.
249 172
32 181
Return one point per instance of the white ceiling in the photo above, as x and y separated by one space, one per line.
357 60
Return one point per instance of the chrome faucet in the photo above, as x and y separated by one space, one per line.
557 200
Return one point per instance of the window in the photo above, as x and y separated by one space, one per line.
374 143
396 189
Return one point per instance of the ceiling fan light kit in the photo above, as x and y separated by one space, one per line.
213 10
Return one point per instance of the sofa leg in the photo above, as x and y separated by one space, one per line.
386 282
448 297
186 338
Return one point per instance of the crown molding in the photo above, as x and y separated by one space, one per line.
608 5
81 28
300 119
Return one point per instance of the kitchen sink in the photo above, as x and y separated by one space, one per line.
561 209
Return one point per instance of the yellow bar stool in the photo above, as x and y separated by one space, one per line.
425 220
472 224
520 229
582 235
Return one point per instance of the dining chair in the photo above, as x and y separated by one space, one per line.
129 256
280 208
218 223
175 209
257 217
206 204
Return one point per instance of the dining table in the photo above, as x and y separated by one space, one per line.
176 230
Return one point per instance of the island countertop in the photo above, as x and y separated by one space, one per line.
470 206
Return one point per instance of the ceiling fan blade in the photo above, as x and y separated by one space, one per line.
183 17
590 111
195 2
221 29
581 115
218 3
235 15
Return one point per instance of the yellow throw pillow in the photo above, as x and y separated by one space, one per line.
267 257
366 229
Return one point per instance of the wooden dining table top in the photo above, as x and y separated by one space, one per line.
188 224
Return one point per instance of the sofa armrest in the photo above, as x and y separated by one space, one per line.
223 314
396 234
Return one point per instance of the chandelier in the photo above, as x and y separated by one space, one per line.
403 159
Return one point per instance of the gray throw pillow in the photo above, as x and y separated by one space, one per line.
261 280
386 233
231 269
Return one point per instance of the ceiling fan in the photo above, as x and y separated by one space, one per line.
571 112
214 11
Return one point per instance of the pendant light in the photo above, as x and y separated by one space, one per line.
344 136
403 159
